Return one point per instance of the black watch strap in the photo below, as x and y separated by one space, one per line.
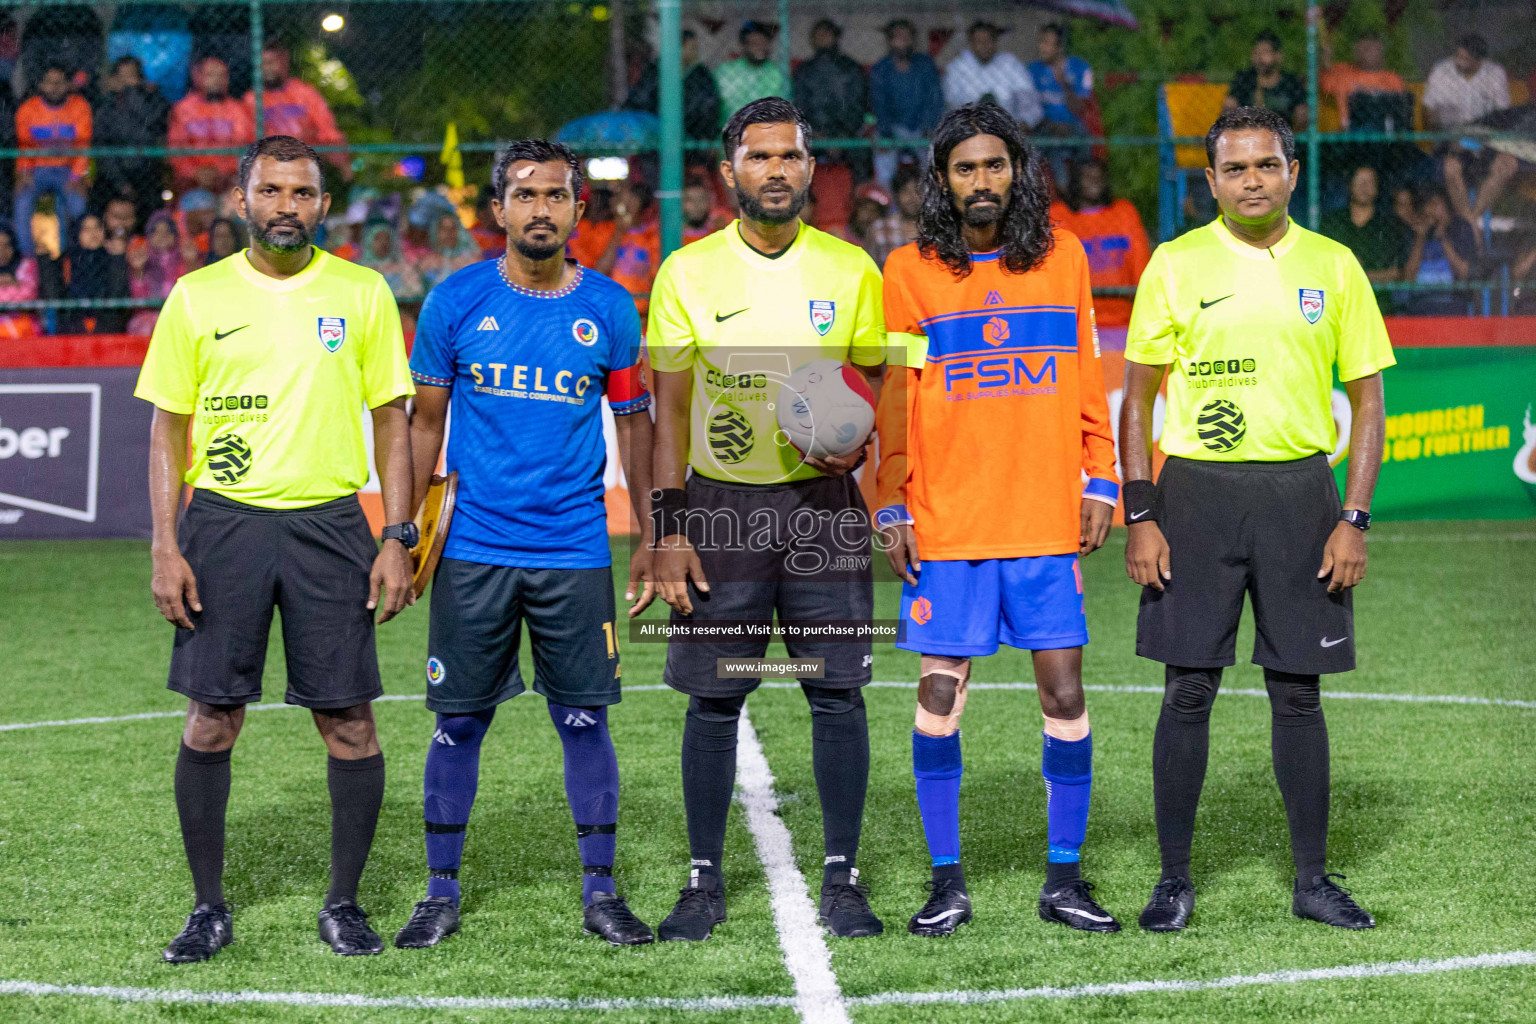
1358 518
405 533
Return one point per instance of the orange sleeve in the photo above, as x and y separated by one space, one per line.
898 398
1098 439
891 418
80 113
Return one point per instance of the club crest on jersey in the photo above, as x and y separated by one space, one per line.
436 673
333 332
585 332
1312 304
823 313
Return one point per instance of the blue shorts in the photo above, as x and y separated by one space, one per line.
965 609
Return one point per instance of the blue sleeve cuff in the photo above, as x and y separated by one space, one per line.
1102 490
892 515
639 403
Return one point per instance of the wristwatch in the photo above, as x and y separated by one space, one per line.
406 533
1360 520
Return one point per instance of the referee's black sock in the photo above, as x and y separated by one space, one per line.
202 794
357 792
840 761
1298 739
709 775
1180 749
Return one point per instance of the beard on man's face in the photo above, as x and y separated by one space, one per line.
539 251
280 234
984 208
753 209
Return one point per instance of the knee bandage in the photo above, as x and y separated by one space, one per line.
941 692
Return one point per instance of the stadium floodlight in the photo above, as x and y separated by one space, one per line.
333 22
608 168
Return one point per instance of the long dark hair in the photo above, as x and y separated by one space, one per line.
1025 236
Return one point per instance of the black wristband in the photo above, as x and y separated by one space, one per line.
668 510
1139 498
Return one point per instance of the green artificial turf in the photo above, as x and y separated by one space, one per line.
1433 822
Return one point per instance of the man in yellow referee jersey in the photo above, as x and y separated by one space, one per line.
268 359
1248 318
759 528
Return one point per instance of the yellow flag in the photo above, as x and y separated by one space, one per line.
451 158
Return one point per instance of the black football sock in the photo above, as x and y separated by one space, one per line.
1298 738
357 792
951 873
840 761
709 776
1180 749
202 794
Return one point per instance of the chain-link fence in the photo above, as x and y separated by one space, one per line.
122 123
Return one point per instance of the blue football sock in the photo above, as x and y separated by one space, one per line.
937 767
453 774
592 789
1068 769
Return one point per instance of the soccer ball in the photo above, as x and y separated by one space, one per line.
826 408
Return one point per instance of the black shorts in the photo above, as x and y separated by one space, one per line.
311 564
1254 527
477 626
800 550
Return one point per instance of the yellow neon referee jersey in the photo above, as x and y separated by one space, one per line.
276 375
1253 335
743 322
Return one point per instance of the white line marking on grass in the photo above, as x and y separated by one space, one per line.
102 719
1391 698
547 1004
1519 958
716 1004
818 999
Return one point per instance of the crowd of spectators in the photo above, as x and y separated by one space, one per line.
128 226
125 227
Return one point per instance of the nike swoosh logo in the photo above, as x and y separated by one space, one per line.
1208 305
1332 643
942 917
1138 515
1083 913
722 319
220 337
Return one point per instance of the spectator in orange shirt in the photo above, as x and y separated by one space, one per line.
53 119
633 252
209 117
1112 234
292 107
590 239
1367 74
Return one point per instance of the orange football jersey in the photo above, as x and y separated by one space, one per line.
1003 404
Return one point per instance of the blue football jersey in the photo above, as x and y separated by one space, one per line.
528 370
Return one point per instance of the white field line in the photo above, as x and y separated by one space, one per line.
540 1003
1391 698
818 999
1351 972
1518 958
